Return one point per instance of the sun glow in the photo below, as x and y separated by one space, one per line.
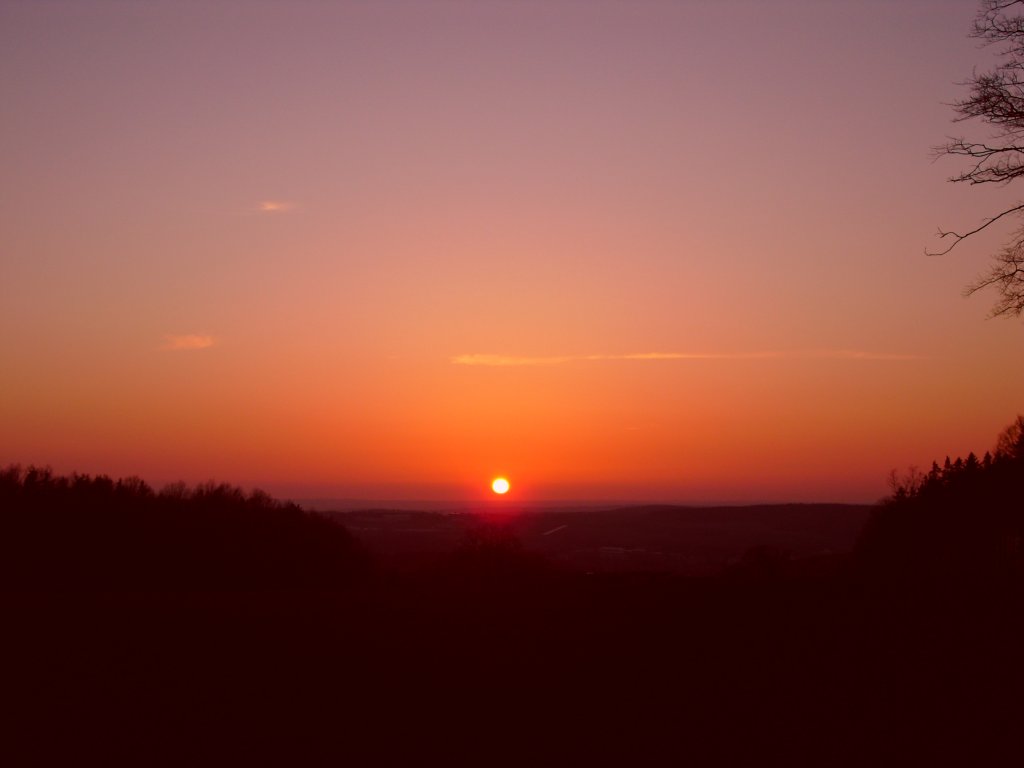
500 486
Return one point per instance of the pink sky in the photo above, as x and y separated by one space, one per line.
643 250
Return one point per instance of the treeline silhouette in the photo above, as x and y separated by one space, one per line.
89 532
963 519
204 623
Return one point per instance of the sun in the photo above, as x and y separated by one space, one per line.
500 486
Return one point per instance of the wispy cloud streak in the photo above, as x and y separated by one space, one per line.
508 361
187 341
857 354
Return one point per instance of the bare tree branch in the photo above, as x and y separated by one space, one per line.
1007 274
997 99
958 237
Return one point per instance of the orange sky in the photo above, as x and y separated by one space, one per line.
651 250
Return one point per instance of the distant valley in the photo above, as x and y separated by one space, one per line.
676 539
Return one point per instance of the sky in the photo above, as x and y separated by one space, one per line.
666 251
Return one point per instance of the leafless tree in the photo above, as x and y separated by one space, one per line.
1011 441
996 98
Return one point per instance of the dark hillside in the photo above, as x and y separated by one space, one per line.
93 532
207 625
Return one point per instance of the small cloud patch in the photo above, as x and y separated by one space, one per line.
187 341
275 206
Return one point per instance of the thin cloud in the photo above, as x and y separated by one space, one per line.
857 354
275 206
512 360
187 341
508 361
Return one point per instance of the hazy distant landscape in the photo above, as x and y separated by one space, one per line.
675 539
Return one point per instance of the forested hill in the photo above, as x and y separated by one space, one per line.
963 519
84 531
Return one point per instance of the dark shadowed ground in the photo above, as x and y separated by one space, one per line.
210 627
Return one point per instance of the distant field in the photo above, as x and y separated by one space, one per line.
677 539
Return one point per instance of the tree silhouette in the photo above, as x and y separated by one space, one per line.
964 518
1010 444
996 98
83 531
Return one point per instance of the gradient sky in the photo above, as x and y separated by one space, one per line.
644 250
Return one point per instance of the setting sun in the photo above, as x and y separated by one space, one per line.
500 486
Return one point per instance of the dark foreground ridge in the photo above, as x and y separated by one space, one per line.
207 625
